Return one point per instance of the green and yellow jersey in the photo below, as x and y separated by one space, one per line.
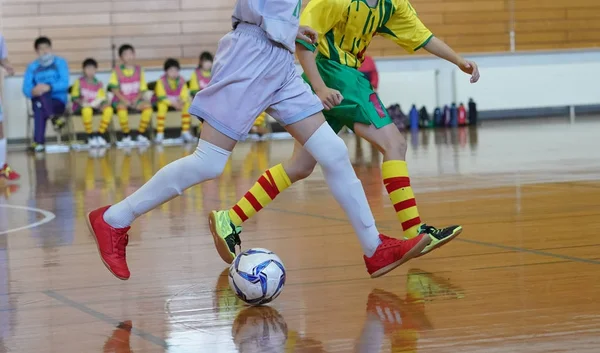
346 27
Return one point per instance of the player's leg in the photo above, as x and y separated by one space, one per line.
363 110
227 224
110 224
162 107
5 171
392 144
146 116
381 253
225 124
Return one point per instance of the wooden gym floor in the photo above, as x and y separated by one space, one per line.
523 277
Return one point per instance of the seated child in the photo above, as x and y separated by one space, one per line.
128 83
88 97
203 73
172 91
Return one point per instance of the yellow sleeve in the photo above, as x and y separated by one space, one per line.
101 94
405 28
143 84
322 16
75 91
113 82
159 90
185 93
194 88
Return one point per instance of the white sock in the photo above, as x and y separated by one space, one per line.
206 163
2 152
331 153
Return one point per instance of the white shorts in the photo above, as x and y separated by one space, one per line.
253 74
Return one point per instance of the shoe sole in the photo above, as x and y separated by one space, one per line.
89 224
220 243
443 242
412 253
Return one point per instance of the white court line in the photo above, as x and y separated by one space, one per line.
48 216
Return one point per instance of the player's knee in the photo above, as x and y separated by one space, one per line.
336 151
394 146
209 161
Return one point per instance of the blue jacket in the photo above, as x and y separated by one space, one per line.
55 75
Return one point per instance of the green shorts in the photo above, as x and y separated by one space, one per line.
360 105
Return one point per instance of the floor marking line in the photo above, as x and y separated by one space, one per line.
103 317
48 216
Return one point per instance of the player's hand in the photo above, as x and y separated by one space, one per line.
470 67
330 97
177 105
307 34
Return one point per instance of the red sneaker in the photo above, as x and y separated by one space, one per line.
111 243
392 253
8 173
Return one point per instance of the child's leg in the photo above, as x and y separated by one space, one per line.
146 110
87 114
186 119
162 109
107 114
41 113
123 114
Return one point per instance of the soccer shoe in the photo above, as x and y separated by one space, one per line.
225 234
438 237
159 138
142 140
125 142
101 142
392 253
93 142
9 174
37 148
58 122
111 243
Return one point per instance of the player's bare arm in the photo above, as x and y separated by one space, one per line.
329 97
440 49
307 34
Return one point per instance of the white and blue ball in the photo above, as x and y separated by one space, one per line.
257 276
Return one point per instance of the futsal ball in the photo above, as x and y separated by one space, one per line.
257 276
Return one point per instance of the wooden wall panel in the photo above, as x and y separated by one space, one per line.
184 28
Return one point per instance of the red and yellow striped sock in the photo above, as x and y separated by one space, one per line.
160 124
123 115
268 186
145 118
186 121
397 183
107 114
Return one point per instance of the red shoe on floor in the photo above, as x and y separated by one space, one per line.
8 173
392 253
111 243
